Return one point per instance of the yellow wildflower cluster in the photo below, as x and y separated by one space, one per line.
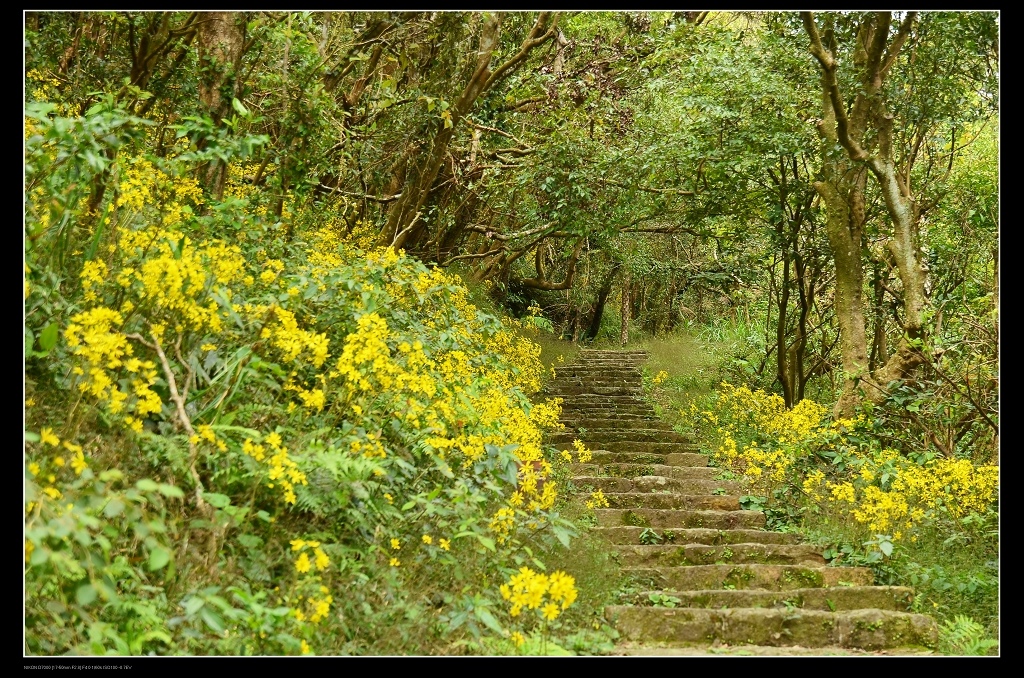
583 455
660 377
143 184
283 471
528 589
320 559
915 491
880 488
46 468
502 523
597 500
103 353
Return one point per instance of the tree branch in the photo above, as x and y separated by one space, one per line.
831 85
532 40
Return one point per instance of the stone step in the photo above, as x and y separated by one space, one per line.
865 629
564 375
599 378
675 459
833 599
585 401
671 500
645 447
634 434
589 391
675 555
639 470
661 518
625 414
749 576
654 483
616 424
628 534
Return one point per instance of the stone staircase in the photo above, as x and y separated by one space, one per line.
722 582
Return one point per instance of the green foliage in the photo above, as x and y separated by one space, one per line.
963 636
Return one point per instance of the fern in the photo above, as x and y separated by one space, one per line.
966 637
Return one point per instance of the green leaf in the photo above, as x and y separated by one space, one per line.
147 485
237 105
31 437
170 490
158 558
48 337
193 605
487 542
217 500
484 615
113 508
886 548
408 505
85 594
212 619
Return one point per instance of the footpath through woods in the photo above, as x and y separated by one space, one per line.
721 582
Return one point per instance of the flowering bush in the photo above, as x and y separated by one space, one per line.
321 416
800 457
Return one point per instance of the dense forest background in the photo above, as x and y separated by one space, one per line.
293 281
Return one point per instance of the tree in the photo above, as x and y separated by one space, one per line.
859 140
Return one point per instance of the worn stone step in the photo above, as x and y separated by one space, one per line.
583 415
671 500
833 599
560 391
662 518
865 629
597 376
638 434
654 483
648 447
676 459
749 576
675 555
616 424
639 470
628 534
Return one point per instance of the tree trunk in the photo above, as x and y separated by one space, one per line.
221 42
602 297
626 308
844 226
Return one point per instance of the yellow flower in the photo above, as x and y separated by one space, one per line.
46 436
394 562
33 468
305 648
550 611
207 347
303 564
389 498
427 539
321 561
59 461
395 544
517 639
445 544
